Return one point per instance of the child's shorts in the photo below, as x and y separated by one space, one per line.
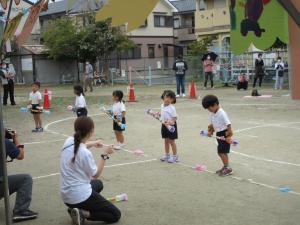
81 112
165 133
34 107
116 127
223 146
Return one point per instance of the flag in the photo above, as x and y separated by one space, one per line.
12 26
4 3
257 22
133 12
30 21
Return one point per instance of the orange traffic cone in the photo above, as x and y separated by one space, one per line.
193 90
46 99
131 93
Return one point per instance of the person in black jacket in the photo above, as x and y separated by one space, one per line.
259 70
180 66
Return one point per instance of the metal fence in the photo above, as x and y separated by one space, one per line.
227 68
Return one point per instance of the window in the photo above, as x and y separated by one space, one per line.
176 23
133 53
163 21
151 51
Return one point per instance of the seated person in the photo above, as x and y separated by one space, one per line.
19 183
242 82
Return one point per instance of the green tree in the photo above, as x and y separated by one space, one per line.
62 39
200 47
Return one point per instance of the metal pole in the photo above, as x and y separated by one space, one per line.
150 76
291 9
4 172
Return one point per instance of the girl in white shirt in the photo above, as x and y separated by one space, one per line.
79 187
35 98
169 118
80 103
119 112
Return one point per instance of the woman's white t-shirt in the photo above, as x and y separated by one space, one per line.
80 101
75 177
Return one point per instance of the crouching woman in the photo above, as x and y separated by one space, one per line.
79 187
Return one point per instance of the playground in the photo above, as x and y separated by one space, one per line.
264 188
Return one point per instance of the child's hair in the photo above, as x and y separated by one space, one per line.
260 54
119 94
209 100
78 89
36 83
82 127
170 94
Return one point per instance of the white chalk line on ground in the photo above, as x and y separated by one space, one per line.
264 159
251 181
43 142
109 166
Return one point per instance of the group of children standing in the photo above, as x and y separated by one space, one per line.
219 123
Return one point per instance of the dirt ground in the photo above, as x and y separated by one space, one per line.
266 159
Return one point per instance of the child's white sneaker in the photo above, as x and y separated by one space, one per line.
183 95
177 96
165 158
118 146
173 159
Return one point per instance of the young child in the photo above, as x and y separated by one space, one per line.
222 125
35 98
169 117
119 112
80 104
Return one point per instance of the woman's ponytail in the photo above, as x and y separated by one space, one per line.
83 126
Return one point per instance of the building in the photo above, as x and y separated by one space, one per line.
212 17
184 23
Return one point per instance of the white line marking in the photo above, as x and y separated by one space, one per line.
109 166
251 181
43 142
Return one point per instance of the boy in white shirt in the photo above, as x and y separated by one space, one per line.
119 112
222 125
35 98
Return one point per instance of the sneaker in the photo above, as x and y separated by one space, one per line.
24 215
77 217
219 171
35 130
118 146
165 158
177 96
173 159
225 172
183 95
40 129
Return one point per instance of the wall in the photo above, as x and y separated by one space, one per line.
161 8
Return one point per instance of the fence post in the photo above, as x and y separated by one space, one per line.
130 75
149 76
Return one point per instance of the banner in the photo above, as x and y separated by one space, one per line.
30 21
133 12
12 26
4 3
257 22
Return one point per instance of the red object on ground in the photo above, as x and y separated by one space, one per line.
46 99
193 90
131 93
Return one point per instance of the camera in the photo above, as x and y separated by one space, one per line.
9 134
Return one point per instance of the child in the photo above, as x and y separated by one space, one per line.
242 82
119 112
80 104
169 117
35 98
222 125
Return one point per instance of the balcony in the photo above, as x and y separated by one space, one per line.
185 34
212 21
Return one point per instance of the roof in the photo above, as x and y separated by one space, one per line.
184 5
79 6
